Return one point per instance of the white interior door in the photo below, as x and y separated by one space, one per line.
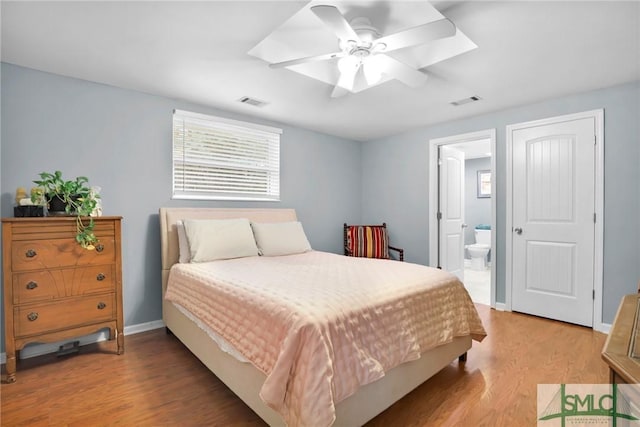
451 224
553 174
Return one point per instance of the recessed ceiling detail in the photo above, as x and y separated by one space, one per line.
355 48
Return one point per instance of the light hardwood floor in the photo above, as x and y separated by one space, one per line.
157 382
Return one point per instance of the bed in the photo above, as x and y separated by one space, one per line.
247 381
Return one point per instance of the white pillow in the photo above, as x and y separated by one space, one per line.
280 238
212 239
183 243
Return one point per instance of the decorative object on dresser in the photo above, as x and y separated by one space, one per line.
25 206
74 197
53 288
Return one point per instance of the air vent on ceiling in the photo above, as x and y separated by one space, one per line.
466 100
252 101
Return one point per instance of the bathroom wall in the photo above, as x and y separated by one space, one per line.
477 210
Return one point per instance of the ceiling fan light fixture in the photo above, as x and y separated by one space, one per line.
379 47
347 45
372 68
348 64
362 46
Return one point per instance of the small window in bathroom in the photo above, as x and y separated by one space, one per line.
484 183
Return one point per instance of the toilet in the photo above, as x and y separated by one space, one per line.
481 248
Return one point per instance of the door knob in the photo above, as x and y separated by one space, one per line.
518 230
464 225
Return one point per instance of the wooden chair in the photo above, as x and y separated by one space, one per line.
370 241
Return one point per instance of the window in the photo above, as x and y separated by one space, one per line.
222 159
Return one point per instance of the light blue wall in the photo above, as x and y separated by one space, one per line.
476 210
121 140
395 182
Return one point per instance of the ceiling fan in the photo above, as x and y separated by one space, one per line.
363 48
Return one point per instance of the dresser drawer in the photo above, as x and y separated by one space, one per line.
38 318
55 253
42 285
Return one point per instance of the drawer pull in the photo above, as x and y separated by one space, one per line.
99 247
32 285
32 316
30 253
101 305
100 277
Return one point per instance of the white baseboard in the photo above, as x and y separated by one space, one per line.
599 327
602 327
143 327
40 349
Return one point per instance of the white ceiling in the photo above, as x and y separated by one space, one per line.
198 51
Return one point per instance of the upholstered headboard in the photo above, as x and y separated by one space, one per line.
169 233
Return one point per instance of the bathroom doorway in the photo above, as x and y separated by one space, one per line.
462 210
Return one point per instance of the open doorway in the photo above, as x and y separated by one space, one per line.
462 210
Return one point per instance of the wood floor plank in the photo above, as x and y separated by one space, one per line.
159 382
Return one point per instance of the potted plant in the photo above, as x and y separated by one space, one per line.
69 197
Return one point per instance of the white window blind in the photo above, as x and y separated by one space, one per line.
216 158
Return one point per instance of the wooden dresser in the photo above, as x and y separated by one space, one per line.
622 349
54 289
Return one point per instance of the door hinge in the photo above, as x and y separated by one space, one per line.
594 217
439 162
593 294
595 140
439 215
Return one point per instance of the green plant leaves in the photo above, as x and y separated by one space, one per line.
79 200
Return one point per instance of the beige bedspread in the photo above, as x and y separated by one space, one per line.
321 325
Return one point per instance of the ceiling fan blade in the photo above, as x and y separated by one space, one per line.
345 82
332 17
307 59
418 35
399 71
338 92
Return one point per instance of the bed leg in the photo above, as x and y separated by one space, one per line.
463 357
